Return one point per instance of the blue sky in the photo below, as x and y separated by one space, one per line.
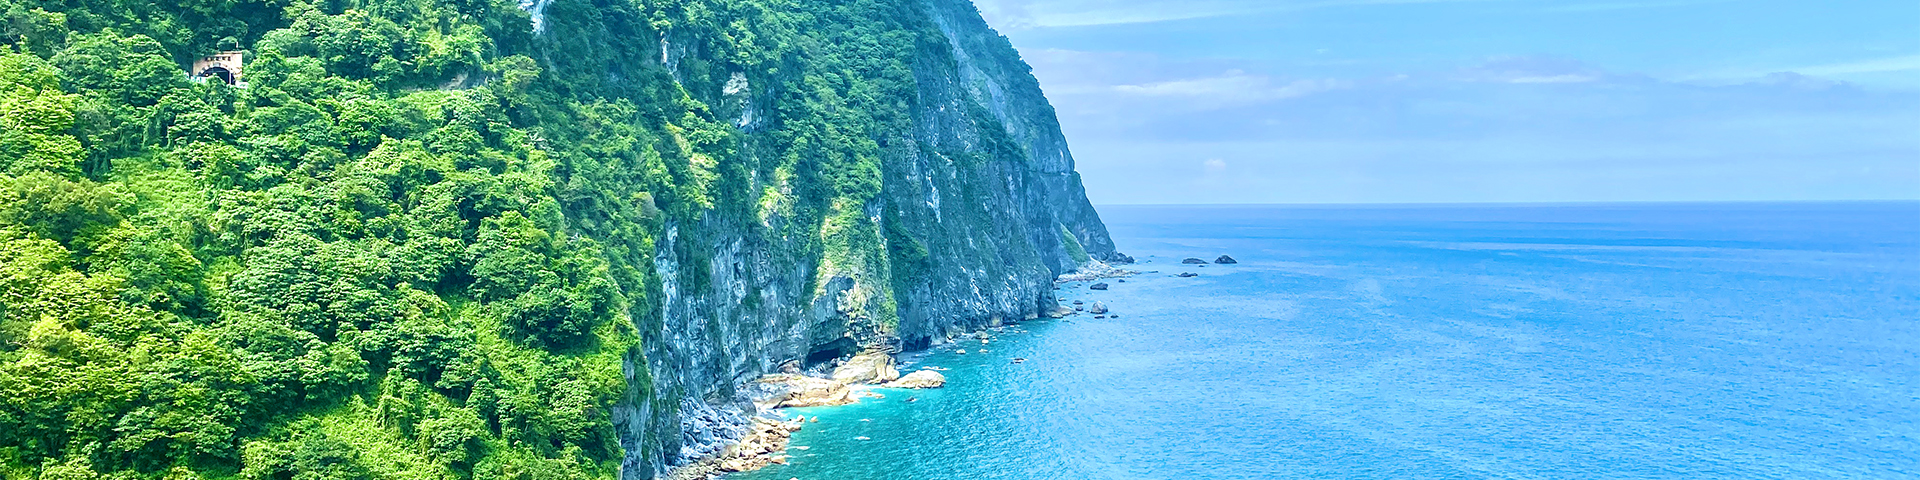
1404 101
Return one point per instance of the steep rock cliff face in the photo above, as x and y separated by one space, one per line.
978 209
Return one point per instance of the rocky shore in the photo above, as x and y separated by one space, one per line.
764 440
753 432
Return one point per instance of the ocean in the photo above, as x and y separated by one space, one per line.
1686 341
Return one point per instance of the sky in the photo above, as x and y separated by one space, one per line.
1456 101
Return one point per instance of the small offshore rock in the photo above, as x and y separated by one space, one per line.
1187 275
1098 308
1098 286
1225 260
1099 316
1194 261
1121 280
920 379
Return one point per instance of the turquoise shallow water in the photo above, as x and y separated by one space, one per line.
1697 341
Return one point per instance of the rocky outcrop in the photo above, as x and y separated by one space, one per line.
870 367
1193 261
1094 270
1225 260
1097 308
791 390
920 379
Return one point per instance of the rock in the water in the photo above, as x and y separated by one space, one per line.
1098 308
1193 261
920 379
869 367
1098 286
1188 275
1225 260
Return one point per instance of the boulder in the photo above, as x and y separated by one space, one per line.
869 367
1225 260
1098 286
920 379
1098 308
805 391
1194 261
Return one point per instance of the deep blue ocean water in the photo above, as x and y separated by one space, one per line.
1686 341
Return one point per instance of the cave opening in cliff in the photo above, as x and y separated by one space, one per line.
837 348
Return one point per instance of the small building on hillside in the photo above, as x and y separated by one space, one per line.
223 66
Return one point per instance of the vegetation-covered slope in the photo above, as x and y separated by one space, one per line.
426 240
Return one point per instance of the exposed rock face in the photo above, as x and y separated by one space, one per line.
920 379
871 367
978 211
1194 261
805 391
1225 260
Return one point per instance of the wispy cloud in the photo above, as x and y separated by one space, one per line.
1907 63
1532 69
1083 13
1234 86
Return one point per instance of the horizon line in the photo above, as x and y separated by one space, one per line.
1514 204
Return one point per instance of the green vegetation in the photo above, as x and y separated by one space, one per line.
1074 250
418 243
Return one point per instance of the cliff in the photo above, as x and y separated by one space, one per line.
494 239
976 202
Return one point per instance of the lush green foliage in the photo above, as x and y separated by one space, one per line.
418 243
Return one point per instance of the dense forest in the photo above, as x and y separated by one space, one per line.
415 243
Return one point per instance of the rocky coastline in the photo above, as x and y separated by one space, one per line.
753 431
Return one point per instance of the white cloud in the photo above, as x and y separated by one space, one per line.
1879 65
1567 78
1233 86
1214 165
1532 69
1083 13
